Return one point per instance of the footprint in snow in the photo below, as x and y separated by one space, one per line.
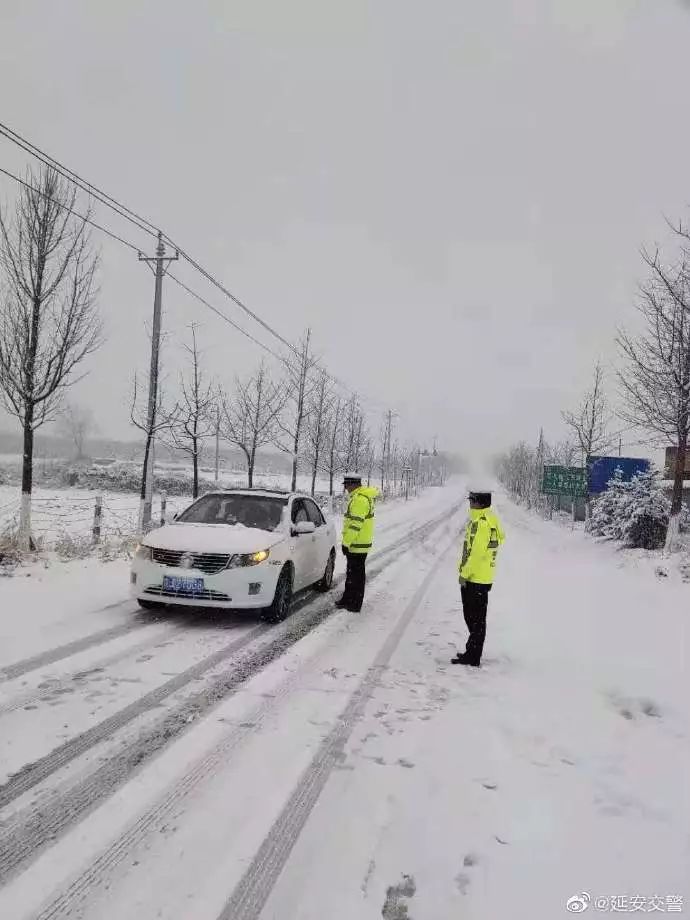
629 708
395 907
650 708
463 879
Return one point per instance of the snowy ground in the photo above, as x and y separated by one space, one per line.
211 768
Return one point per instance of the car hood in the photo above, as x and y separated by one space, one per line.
212 538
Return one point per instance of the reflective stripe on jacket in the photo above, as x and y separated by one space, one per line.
483 536
358 524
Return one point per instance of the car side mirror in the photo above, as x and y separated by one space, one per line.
303 528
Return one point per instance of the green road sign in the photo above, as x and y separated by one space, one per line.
564 480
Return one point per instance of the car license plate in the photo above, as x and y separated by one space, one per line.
183 585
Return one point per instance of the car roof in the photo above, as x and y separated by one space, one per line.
262 493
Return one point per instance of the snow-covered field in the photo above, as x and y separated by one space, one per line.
199 767
70 512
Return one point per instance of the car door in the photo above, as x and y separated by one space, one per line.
323 542
303 548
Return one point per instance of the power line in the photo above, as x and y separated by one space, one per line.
223 316
78 214
141 222
136 249
233 297
148 227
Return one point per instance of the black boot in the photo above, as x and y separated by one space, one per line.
463 659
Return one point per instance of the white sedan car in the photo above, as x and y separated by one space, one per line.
243 549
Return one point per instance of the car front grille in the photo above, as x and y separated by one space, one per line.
205 595
208 563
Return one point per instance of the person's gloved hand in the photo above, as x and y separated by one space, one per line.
344 549
463 581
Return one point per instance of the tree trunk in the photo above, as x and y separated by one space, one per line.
294 457
195 463
144 479
25 540
673 531
251 460
314 470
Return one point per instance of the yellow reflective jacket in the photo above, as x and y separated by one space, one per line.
358 525
483 535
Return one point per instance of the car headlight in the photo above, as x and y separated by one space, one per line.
143 552
244 559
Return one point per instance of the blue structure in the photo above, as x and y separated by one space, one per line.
600 470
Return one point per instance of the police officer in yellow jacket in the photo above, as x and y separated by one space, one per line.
483 536
358 539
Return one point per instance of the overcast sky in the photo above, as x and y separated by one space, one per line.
452 194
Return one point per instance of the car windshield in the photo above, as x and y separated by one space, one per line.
261 512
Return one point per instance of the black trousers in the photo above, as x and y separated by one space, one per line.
355 581
475 601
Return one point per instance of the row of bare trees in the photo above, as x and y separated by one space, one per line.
49 325
521 467
294 407
653 381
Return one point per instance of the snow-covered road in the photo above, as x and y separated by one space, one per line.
336 766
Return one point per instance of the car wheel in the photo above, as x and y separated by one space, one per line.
150 605
326 582
280 607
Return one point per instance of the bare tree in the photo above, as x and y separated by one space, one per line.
160 425
321 404
298 388
76 424
49 322
353 435
656 379
194 413
333 433
516 470
590 421
563 453
249 416
385 451
368 458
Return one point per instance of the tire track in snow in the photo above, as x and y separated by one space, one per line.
34 773
176 629
29 831
60 652
26 665
77 678
249 897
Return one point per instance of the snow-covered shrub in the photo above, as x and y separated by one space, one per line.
606 509
126 477
68 547
10 556
635 512
117 548
645 514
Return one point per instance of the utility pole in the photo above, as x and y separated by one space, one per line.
161 262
